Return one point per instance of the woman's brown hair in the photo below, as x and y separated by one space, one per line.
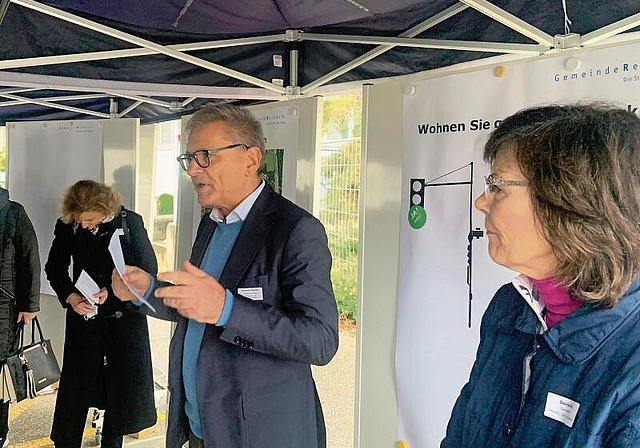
583 165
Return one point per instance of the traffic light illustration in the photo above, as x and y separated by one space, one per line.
418 188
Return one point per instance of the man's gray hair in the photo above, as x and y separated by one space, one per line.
243 126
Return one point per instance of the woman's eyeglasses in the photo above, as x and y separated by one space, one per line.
492 184
203 156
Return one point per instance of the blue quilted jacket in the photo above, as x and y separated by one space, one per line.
589 362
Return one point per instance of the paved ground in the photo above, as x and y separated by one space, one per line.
30 420
336 387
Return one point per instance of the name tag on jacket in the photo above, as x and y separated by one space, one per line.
251 293
561 409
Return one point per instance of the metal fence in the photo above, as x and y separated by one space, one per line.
339 195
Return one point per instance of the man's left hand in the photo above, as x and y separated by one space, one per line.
195 294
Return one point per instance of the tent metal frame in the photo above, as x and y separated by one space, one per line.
141 93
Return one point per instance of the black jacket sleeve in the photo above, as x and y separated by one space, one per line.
27 264
58 262
142 254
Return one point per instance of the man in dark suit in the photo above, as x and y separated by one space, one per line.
254 305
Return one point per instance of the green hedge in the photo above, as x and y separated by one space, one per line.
164 204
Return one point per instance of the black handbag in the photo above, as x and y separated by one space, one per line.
31 368
14 380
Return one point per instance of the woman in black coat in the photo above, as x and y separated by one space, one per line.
107 359
19 281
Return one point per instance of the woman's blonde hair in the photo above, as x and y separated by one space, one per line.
582 162
88 196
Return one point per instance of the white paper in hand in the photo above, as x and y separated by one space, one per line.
118 260
87 287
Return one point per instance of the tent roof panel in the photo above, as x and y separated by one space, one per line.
233 17
271 49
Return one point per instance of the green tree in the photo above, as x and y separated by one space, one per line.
340 174
342 115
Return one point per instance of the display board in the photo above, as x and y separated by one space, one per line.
280 128
291 131
44 158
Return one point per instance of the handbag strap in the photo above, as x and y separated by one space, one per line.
20 333
35 323
125 226
18 338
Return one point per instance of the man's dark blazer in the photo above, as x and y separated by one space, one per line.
254 383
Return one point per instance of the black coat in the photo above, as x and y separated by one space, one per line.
124 386
19 268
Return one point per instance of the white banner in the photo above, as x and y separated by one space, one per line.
446 122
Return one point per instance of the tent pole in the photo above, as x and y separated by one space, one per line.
113 108
513 22
109 31
412 32
129 109
134 88
53 105
611 30
293 68
132 52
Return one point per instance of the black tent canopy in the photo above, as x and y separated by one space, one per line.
77 59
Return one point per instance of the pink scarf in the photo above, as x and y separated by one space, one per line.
557 300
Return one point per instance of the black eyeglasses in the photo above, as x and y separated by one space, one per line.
203 156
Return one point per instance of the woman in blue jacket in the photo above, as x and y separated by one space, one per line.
559 358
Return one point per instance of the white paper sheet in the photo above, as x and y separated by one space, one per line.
87 287
118 260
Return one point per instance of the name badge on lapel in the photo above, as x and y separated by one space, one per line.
251 293
561 409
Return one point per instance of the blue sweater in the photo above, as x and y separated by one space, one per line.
587 365
214 260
